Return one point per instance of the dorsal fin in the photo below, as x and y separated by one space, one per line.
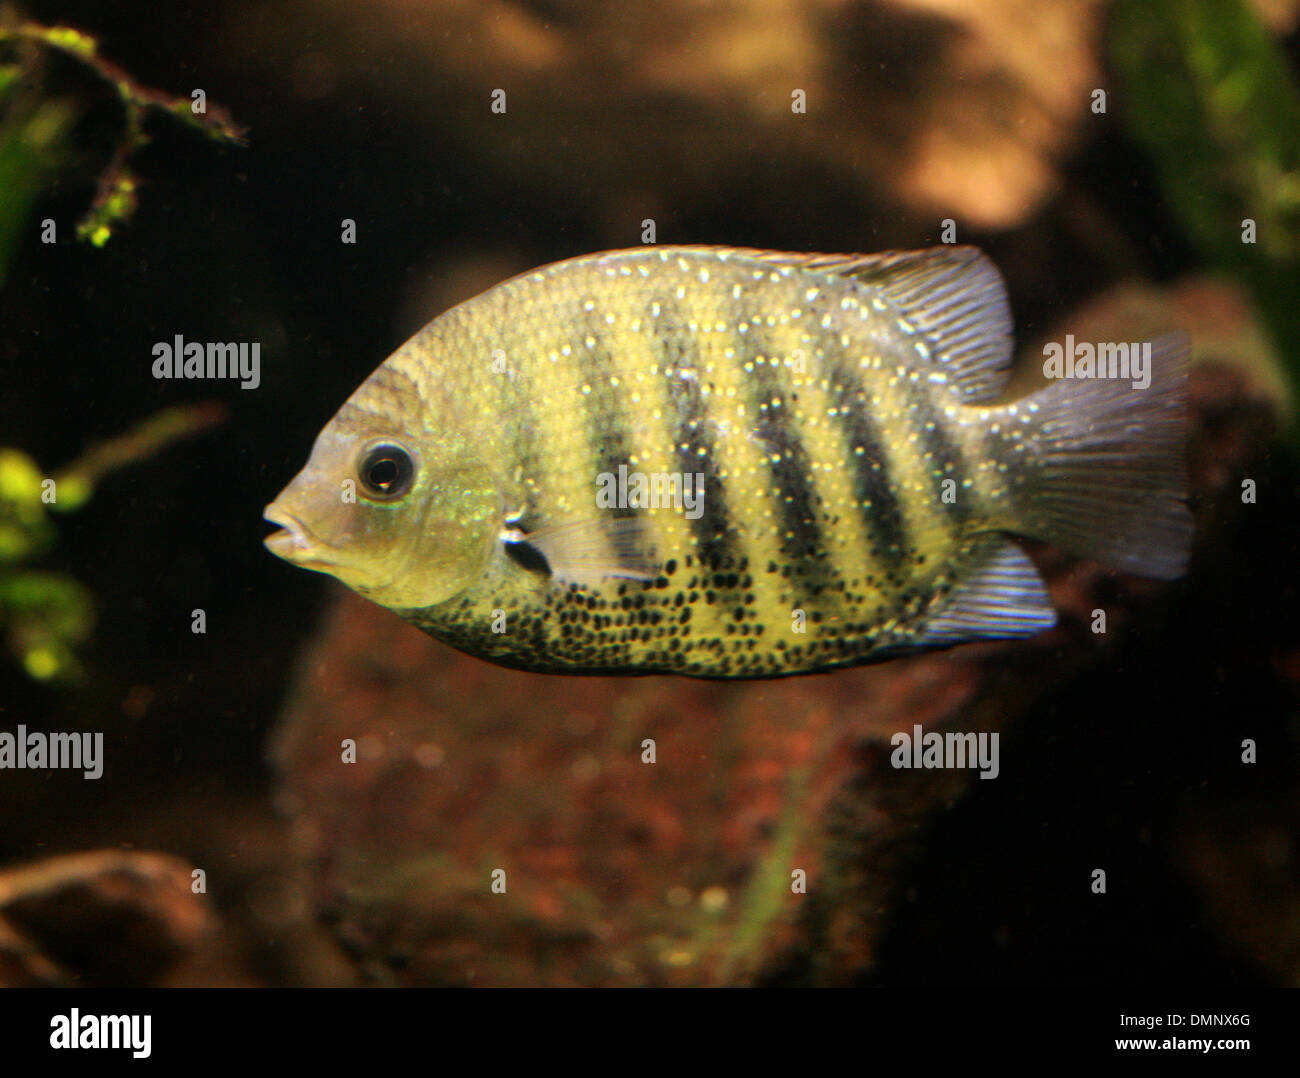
953 297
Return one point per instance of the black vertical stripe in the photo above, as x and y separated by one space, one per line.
608 421
803 543
694 437
873 486
945 451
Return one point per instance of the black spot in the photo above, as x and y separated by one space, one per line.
527 556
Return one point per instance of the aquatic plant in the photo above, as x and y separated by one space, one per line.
46 615
37 126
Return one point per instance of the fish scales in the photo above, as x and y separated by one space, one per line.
757 367
739 569
742 382
788 484
687 437
710 541
816 397
854 486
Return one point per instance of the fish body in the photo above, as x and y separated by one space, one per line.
730 463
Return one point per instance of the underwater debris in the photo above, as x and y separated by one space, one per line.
144 913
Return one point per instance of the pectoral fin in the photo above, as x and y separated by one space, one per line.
590 551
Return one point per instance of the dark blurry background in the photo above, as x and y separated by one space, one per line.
378 111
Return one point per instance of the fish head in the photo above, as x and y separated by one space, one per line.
398 510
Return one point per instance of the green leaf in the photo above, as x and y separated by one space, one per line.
1211 99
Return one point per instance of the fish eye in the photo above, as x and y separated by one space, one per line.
386 471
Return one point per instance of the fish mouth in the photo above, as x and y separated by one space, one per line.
294 542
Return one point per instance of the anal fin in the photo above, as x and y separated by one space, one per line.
1003 596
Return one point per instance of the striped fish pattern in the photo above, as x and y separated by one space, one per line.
857 478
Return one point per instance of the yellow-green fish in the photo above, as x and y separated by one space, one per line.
734 463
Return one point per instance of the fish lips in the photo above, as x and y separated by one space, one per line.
294 542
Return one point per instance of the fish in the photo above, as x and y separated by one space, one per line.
733 463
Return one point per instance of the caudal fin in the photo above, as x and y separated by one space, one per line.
1109 478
